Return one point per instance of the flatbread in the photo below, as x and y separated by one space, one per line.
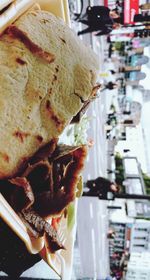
46 74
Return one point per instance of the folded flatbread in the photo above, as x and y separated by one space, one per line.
46 76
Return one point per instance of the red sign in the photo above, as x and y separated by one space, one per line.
131 8
106 3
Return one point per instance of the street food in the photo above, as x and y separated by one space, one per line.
46 76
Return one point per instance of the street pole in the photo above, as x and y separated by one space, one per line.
100 196
118 195
132 196
114 207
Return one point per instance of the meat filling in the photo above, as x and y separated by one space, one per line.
40 226
45 189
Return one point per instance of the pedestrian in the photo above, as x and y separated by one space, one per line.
103 28
112 119
145 6
112 71
102 188
110 86
111 234
126 150
99 18
141 18
94 12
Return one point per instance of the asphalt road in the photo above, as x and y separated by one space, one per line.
91 255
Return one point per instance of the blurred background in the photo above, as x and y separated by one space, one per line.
113 233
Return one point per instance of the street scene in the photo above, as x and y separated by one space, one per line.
97 115
101 162
93 223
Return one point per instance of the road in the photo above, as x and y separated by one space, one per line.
91 251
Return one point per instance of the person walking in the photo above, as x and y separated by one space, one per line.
145 6
141 18
98 18
93 12
104 28
101 187
111 86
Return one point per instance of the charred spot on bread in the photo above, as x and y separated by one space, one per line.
57 68
44 20
63 40
20 61
35 49
54 79
21 135
39 138
53 116
50 91
5 157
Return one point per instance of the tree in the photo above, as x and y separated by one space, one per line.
119 168
146 179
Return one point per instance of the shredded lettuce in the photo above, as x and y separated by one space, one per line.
79 187
70 216
80 131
